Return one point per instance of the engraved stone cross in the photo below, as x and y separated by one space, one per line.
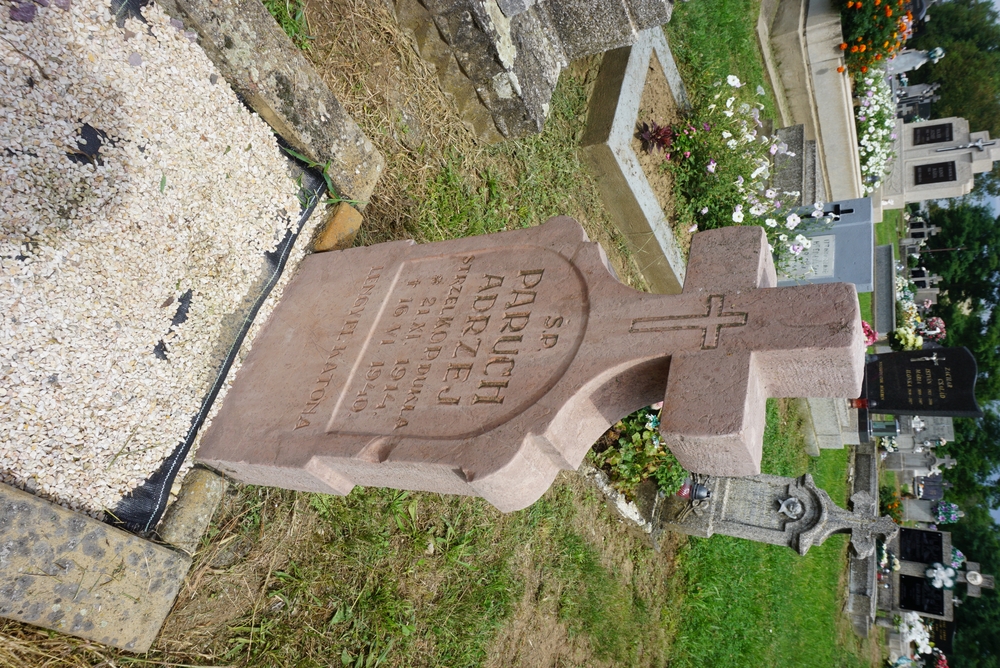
710 322
486 365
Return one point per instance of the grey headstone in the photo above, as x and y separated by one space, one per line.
842 253
884 302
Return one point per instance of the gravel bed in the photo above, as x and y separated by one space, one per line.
100 371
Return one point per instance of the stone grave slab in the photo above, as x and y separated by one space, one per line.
485 365
607 148
74 574
884 302
841 253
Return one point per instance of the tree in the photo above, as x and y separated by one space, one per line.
966 254
969 74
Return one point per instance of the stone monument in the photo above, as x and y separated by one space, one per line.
936 160
773 509
485 365
911 59
909 589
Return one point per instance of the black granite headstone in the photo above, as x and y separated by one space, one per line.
916 594
932 134
923 382
942 634
925 547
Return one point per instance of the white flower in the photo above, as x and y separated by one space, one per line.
732 142
738 214
770 193
771 222
792 221
757 210
733 81
729 102
728 113
760 90
726 134
803 240
782 237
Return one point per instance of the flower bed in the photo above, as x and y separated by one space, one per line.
631 452
875 118
913 325
874 30
720 161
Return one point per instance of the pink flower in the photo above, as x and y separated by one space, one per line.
687 154
871 336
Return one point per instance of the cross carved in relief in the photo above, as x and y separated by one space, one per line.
735 340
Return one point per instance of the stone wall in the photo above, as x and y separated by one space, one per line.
500 62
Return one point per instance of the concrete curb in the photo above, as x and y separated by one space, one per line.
607 148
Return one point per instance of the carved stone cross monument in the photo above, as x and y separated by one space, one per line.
485 365
773 509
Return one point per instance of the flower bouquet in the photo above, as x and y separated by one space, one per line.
947 513
940 576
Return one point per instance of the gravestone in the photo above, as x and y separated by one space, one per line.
774 509
841 253
485 365
884 299
939 382
936 160
909 589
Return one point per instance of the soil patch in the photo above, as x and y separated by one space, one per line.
658 105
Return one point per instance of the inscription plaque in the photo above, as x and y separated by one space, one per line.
485 365
922 546
932 134
937 172
916 594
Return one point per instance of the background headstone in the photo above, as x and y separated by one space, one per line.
941 382
841 253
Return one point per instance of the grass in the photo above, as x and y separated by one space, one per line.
291 16
751 604
392 578
712 39
889 230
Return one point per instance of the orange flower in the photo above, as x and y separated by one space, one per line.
888 12
878 56
862 48
841 68
854 49
885 45
864 69
843 46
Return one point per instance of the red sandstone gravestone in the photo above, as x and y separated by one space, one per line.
485 365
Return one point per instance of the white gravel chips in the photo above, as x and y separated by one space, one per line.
187 193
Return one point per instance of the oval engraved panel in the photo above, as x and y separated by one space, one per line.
464 344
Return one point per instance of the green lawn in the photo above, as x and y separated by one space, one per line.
750 604
711 39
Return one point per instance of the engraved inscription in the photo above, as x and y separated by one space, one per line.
332 362
463 343
711 322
